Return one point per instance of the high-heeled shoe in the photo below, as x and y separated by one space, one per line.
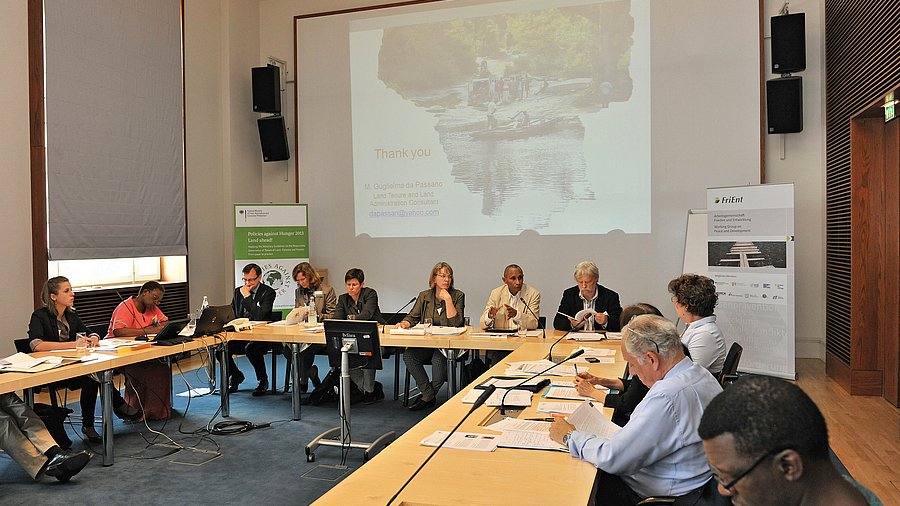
91 434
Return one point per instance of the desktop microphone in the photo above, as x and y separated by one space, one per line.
478 402
536 317
383 327
550 354
576 353
145 337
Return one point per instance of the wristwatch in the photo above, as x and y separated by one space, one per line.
566 437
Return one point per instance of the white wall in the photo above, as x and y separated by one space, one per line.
803 164
15 206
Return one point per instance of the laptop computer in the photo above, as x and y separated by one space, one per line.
169 335
213 320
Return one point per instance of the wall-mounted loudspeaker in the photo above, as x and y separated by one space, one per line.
273 138
267 89
788 43
784 105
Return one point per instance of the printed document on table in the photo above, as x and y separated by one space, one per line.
529 441
509 383
463 441
515 397
558 407
283 323
586 336
536 366
560 392
408 332
509 423
588 418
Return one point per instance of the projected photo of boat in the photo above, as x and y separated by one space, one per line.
514 131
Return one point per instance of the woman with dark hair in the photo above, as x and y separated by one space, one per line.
631 389
55 326
310 287
148 385
695 298
443 305
361 303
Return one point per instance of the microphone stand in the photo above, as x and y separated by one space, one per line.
503 399
536 317
384 327
478 402
575 328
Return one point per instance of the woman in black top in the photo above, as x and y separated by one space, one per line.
631 389
55 327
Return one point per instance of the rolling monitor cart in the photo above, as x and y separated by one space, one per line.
351 344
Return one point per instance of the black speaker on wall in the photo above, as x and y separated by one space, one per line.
784 105
267 89
788 43
273 138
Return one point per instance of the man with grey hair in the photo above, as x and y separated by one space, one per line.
588 294
658 453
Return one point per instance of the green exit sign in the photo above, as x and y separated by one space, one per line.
889 104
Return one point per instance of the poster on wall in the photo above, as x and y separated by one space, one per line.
276 237
750 255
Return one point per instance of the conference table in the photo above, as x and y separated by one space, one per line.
103 364
504 476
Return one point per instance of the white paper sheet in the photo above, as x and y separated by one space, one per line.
515 397
509 423
558 407
463 441
561 392
588 418
509 383
529 440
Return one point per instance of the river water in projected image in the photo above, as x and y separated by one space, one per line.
505 171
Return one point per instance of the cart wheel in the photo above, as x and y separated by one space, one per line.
311 457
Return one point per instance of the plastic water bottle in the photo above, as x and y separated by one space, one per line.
311 315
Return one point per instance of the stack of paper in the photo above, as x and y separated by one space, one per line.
529 440
463 441
22 362
564 392
408 332
586 336
558 407
515 397
536 366
588 418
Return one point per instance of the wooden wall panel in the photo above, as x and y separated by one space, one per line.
890 316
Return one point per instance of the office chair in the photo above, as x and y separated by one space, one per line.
732 360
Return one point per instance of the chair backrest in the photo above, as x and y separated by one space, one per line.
732 360
23 345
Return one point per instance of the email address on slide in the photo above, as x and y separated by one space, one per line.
404 213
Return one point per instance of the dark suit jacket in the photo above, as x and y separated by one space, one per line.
624 402
43 326
256 308
607 300
366 309
427 306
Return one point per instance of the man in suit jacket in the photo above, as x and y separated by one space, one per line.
253 300
505 308
588 294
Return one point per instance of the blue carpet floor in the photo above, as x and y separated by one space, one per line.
263 466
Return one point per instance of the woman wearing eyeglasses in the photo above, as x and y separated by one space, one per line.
310 287
443 305
631 389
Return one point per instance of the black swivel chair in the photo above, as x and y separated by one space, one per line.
732 360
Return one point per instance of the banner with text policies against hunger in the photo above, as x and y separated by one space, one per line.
275 237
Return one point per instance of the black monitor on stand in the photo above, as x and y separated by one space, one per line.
363 338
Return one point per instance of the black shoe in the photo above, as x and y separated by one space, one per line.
126 412
314 376
237 377
419 405
63 466
379 391
262 388
304 386
91 434
368 398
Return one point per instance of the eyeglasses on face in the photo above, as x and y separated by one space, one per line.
250 280
730 484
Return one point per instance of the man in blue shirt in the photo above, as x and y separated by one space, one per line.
658 453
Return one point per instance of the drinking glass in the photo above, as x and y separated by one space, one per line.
426 323
81 342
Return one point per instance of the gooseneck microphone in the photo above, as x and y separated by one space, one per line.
388 322
144 331
536 317
576 353
550 353
478 402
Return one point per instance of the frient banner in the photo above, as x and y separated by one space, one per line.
751 259
276 237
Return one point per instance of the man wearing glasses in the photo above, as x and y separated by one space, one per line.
252 300
658 453
767 443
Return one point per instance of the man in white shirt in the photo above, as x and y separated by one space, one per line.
658 453
512 303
